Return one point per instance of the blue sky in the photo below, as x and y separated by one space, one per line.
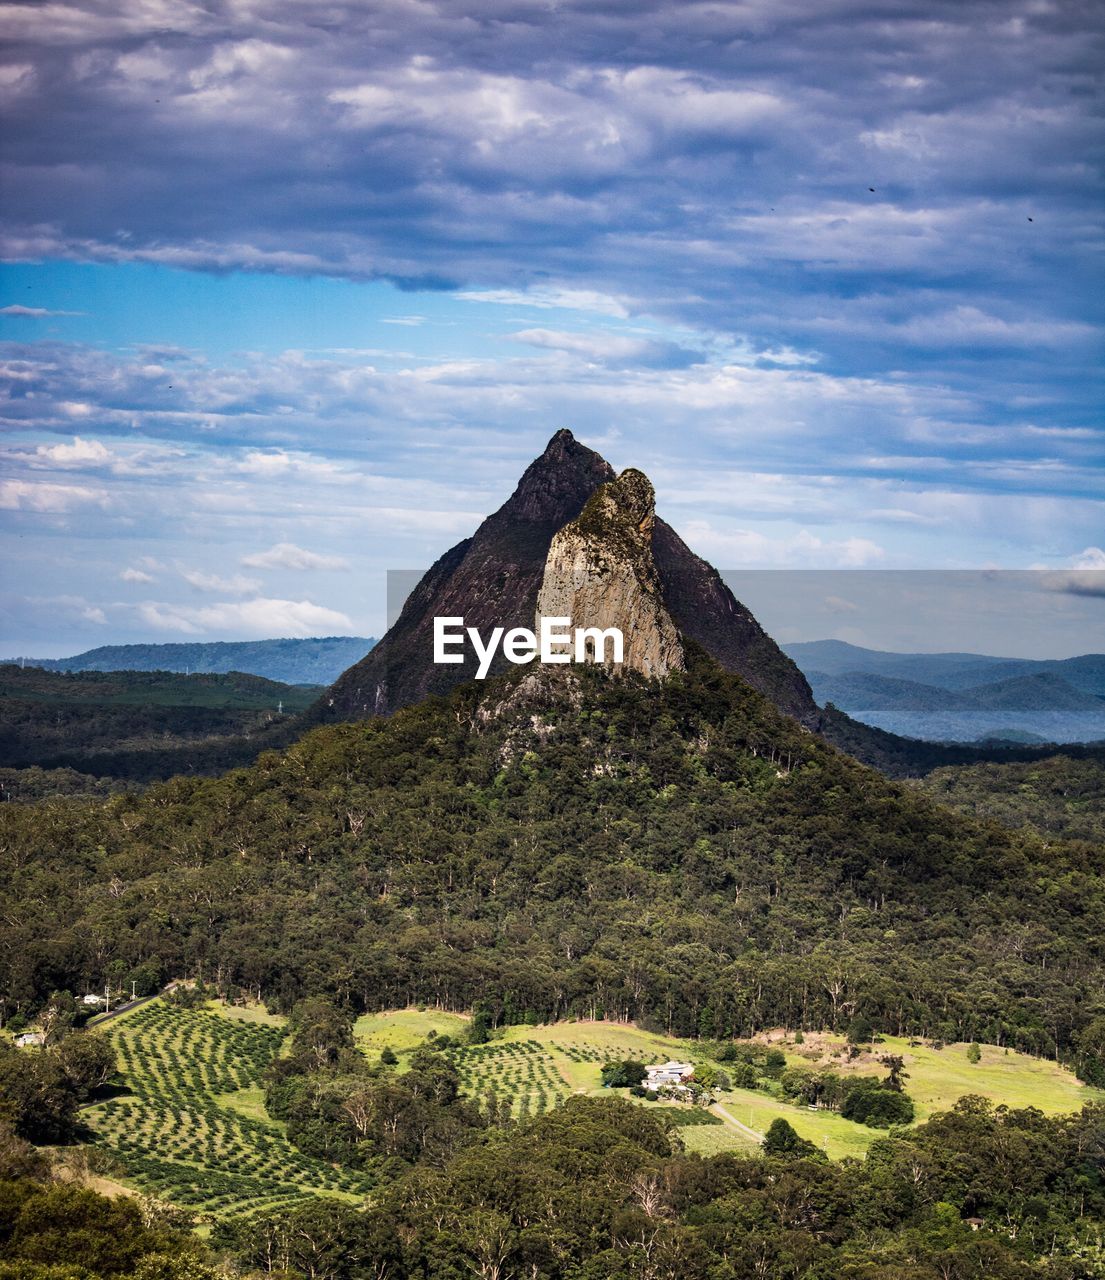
291 294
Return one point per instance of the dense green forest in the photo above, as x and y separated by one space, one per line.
555 845
137 725
1059 796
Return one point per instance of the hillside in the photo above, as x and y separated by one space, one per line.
944 670
315 661
1059 796
134 724
677 854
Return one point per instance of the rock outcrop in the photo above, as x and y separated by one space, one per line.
493 579
600 572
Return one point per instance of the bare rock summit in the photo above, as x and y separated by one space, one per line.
600 572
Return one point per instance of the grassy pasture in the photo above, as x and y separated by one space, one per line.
192 1127
937 1077
403 1029
255 1013
576 1051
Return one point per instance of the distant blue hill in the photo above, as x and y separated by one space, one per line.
959 697
316 661
945 670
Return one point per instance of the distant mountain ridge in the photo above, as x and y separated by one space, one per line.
945 670
959 697
138 725
316 660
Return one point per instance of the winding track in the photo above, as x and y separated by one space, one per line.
731 1119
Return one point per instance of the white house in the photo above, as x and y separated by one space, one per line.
667 1073
29 1038
92 999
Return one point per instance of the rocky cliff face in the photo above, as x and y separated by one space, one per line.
600 572
707 612
493 579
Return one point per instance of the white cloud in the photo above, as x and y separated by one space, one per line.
26 495
286 555
136 575
81 453
34 313
838 604
746 548
276 463
1091 558
553 297
603 347
1085 578
96 615
261 617
238 585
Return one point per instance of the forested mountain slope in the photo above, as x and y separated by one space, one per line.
677 853
137 724
1060 796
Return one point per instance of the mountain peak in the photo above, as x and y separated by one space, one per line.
633 562
554 487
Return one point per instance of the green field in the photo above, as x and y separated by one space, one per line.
522 1067
192 1127
402 1029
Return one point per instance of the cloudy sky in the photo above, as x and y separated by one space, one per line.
294 291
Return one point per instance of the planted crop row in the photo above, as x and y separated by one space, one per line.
174 1138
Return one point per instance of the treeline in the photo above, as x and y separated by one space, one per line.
601 1190
681 856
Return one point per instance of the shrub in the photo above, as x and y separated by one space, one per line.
873 1104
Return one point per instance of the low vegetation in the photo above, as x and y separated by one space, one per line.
175 1128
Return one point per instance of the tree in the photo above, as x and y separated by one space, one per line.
861 1030
974 1052
1090 1063
895 1065
782 1140
37 1098
88 1061
320 1032
622 1075
873 1103
775 1063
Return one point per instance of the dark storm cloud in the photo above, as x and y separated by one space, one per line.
706 161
